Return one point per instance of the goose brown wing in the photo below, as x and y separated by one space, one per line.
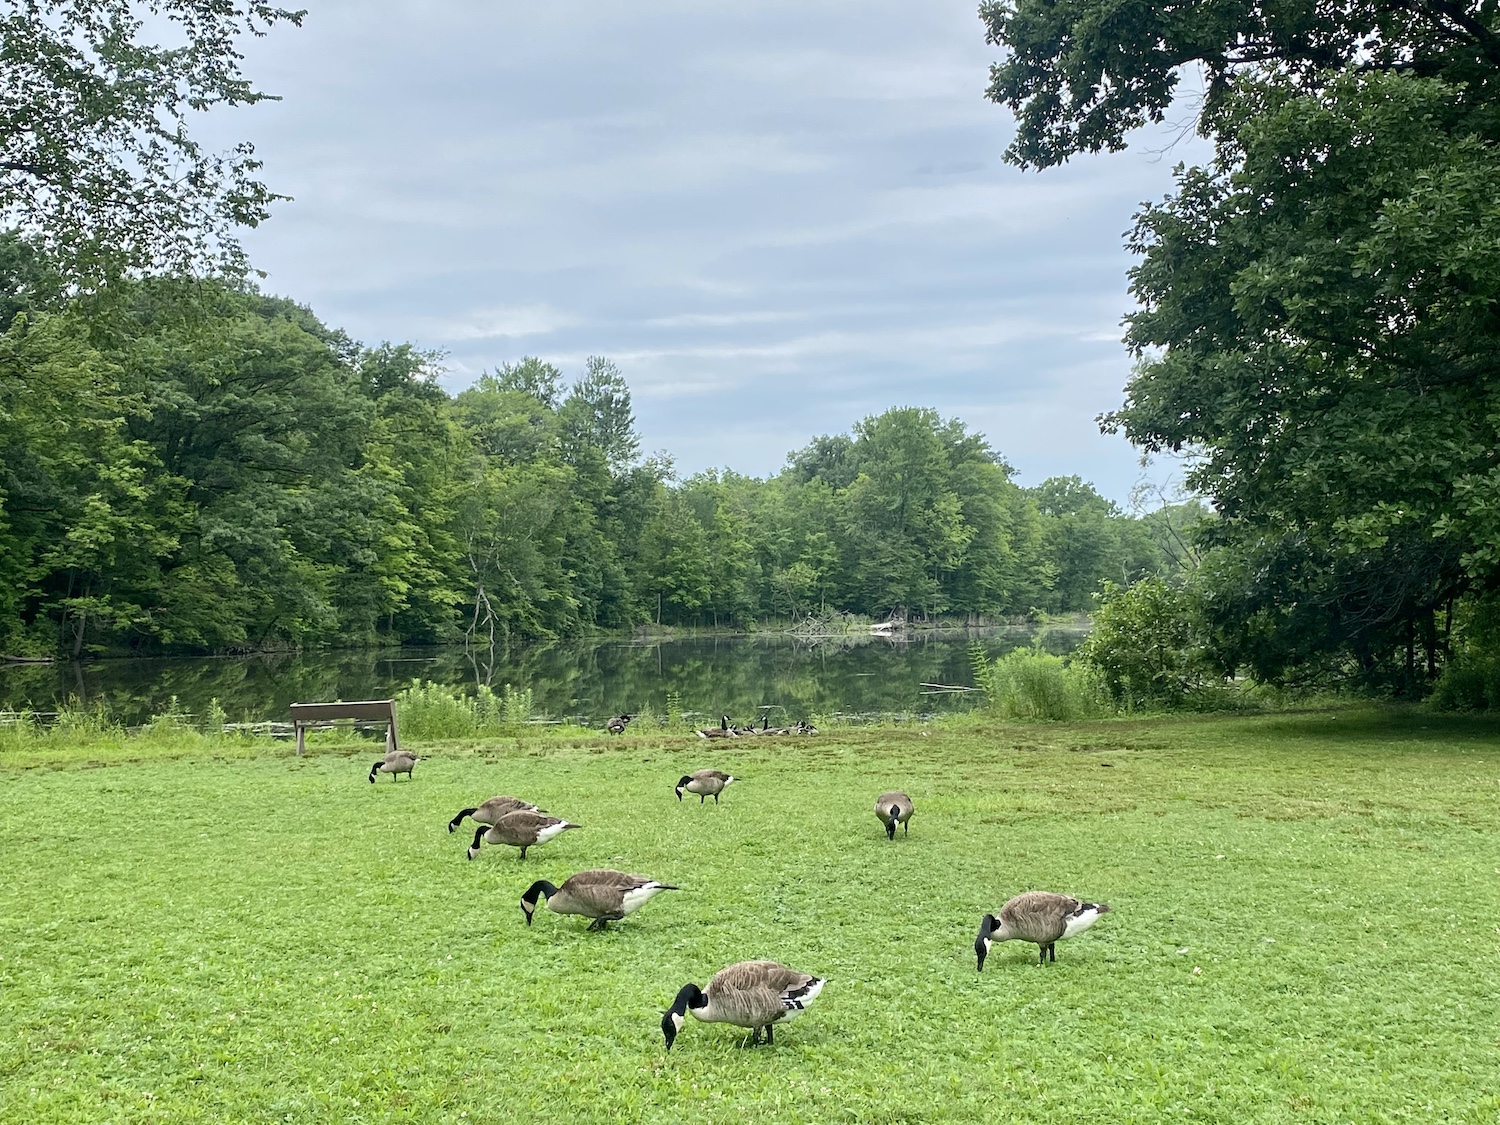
894 797
1039 916
602 891
520 827
751 993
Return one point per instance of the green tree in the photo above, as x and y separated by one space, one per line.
1316 328
97 160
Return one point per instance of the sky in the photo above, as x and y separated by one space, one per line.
776 218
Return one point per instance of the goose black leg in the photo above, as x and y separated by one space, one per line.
597 924
770 1036
716 798
523 850
1041 954
702 797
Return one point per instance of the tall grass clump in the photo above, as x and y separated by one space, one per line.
1030 684
516 705
434 711
674 719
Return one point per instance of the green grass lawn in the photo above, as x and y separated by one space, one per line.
1306 929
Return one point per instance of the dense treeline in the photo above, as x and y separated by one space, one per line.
195 467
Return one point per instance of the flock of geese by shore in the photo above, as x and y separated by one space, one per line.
726 729
749 994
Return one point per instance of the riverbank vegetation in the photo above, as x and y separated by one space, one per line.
1279 887
206 469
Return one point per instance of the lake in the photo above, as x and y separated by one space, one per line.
584 680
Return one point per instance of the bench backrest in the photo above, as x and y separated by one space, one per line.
380 710
374 710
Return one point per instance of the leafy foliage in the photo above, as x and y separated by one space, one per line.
230 474
97 160
1317 325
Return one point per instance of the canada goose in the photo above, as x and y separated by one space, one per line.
1039 916
723 730
397 761
753 994
617 724
894 808
520 829
706 783
804 727
605 896
492 810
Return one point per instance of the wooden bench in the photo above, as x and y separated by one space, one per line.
321 715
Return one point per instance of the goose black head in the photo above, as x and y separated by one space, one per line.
681 785
478 835
688 996
528 900
375 769
987 926
894 814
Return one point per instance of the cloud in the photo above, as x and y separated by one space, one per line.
776 218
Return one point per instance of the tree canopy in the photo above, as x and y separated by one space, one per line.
1317 325
212 469
98 163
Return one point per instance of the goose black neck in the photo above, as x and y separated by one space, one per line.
479 835
374 770
457 820
688 996
540 887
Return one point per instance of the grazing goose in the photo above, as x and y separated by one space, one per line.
521 829
706 783
397 761
617 724
605 896
753 994
894 808
1039 916
492 810
723 730
804 727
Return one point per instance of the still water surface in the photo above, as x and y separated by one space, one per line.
588 680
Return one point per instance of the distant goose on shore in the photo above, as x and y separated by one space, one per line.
804 727
492 810
723 730
617 724
753 994
705 783
397 761
894 808
1037 916
604 895
521 829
